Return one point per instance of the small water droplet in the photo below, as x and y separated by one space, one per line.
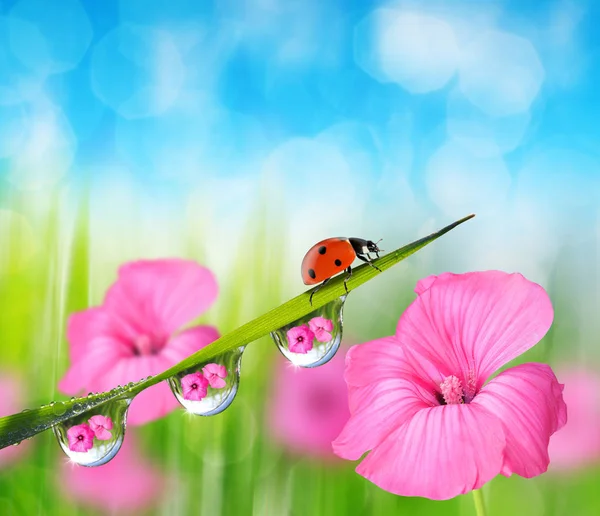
209 388
17 443
313 340
58 408
94 439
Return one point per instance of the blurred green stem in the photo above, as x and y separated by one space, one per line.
24 425
479 505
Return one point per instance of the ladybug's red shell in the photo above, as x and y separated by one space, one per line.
326 259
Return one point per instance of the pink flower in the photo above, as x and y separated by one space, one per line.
81 438
126 484
101 427
11 397
194 386
322 328
309 407
134 333
215 375
578 444
418 399
300 339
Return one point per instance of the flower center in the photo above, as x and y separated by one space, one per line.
300 339
452 391
144 345
194 386
80 437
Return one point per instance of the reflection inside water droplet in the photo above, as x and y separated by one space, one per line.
94 438
313 340
209 388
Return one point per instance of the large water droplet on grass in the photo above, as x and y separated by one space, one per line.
314 339
209 388
94 438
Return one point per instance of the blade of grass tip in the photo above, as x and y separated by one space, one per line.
24 425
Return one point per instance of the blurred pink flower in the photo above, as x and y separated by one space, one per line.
418 399
194 386
578 443
309 407
300 339
215 375
81 438
11 401
134 333
127 483
101 427
322 328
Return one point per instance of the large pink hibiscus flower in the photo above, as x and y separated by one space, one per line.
419 400
136 332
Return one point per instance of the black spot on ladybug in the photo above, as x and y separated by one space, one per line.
322 249
311 273
338 263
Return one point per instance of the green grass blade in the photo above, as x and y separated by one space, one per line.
24 425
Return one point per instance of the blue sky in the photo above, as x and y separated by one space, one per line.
350 111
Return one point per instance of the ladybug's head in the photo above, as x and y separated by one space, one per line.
372 246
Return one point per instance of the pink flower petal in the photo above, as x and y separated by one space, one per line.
100 357
86 326
577 445
157 297
440 453
101 426
425 283
194 387
125 485
322 328
377 410
528 400
81 438
151 404
215 373
472 324
308 407
188 342
376 360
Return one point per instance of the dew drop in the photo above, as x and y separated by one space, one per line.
314 339
58 408
209 388
94 438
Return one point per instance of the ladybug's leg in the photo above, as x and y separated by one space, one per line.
367 259
349 271
317 289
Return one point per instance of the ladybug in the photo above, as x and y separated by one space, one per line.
328 257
